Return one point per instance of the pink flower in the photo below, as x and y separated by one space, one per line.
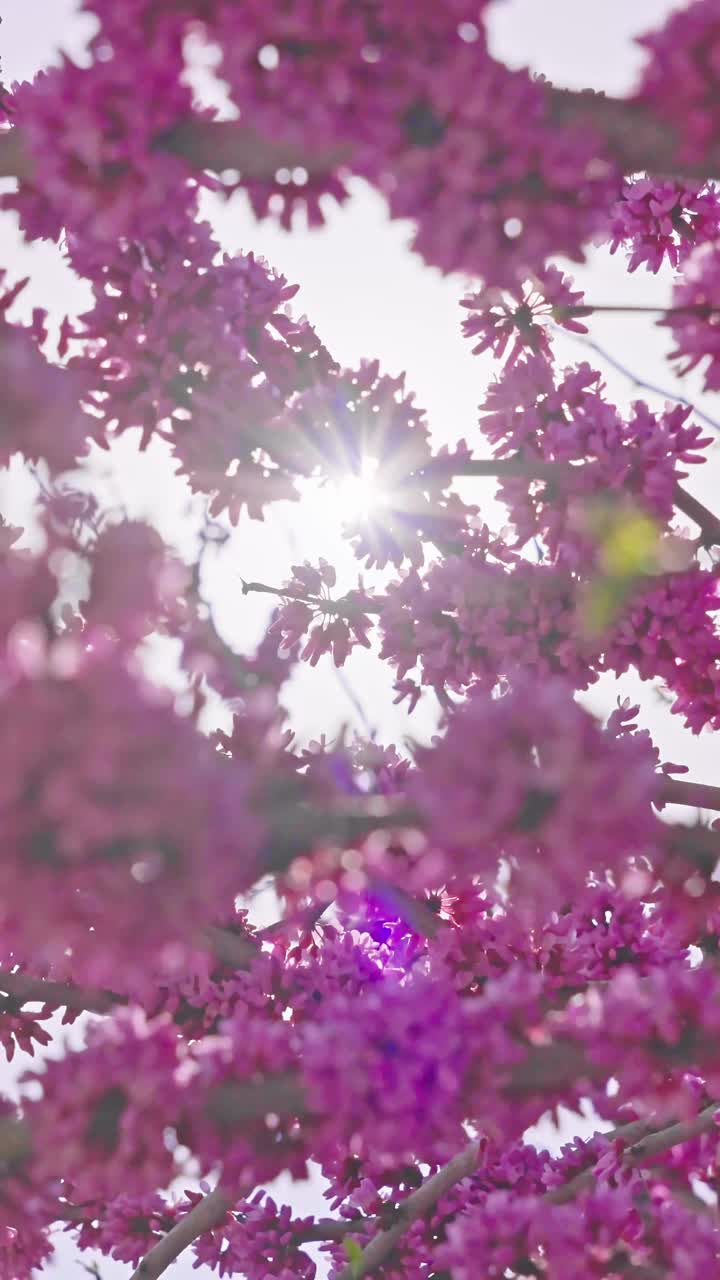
42 417
120 825
340 623
518 314
680 78
656 221
515 777
101 1109
135 584
695 315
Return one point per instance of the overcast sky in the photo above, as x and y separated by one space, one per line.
369 297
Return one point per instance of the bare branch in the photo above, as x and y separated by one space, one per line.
699 795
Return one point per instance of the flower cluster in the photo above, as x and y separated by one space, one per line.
99 173
693 318
122 828
258 1239
659 222
202 353
471 934
339 624
522 315
575 453
470 620
42 417
680 79
541 764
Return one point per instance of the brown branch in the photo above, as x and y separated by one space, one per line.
529 468
654 1144
699 795
217 145
628 133
707 521
634 136
14 159
417 1204
526 468
231 1105
296 828
202 1217
236 950
24 987
336 1229
697 847
220 145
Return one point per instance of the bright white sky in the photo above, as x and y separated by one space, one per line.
369 297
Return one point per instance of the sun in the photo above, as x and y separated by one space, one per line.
353 497
357 495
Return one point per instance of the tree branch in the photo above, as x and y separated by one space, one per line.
628 133
633 135
24 987
417 1204
654 1144
700 795
538 469
642 1143
203 1217
707 521
225 144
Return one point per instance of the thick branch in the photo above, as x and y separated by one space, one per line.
632 134
642 1144
14 159
416 1206
225 144
628 133
654 1144
700 795
203 1217
22 986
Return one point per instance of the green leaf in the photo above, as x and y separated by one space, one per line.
354 1255
630 546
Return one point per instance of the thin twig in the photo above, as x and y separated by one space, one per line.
637 381
707 521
